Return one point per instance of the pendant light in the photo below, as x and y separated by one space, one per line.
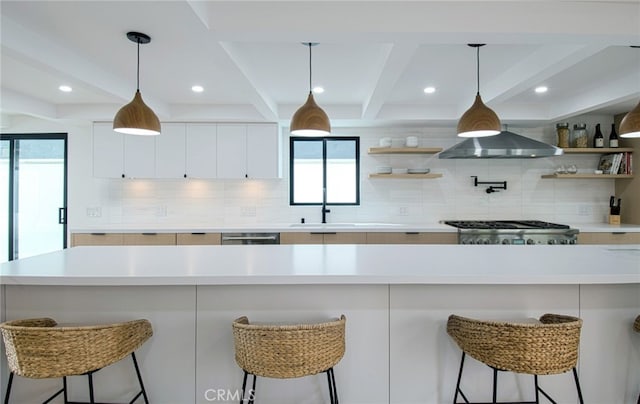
136 118
310 119
479 120
630 124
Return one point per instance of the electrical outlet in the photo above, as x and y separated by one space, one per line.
94 212
403 211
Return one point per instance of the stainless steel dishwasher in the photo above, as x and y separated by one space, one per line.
250 238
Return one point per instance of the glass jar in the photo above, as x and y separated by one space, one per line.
563 134
579 135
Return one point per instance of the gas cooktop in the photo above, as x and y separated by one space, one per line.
504 224
522 232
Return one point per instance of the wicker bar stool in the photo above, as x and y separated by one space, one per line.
547 347
37 349
288 351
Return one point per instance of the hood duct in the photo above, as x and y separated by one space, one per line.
504 145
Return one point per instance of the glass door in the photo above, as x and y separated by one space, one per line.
34 175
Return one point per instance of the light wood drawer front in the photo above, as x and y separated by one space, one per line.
412 238
198 238
78 239
345 238
149 239
301 238
609 238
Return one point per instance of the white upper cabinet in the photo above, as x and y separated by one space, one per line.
170 151
263 151
248 151
191 150
201 150
108 151
232 151
139 156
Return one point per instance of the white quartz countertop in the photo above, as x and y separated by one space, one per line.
328 227
328 264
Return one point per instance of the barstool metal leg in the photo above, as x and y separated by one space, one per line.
458 390
6 398
244 384
495 385
91 398
333 391
575 377
139 375
535 382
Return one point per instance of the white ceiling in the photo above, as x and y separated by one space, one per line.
374 59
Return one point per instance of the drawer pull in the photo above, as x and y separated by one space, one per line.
411 232
149 234
98 234
323 232
198 234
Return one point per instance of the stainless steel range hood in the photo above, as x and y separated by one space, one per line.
504 145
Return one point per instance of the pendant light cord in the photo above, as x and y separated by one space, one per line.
138 68
310 67
478 69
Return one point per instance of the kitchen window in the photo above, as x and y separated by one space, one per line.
324 170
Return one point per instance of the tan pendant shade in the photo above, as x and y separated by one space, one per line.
310 120
479 121
630 124
136 118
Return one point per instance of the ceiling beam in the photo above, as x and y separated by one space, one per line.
45 53
537 67
13 102
389 71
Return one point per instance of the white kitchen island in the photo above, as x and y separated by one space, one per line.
396 299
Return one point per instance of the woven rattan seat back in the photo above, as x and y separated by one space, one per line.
547 347
288 351
37 348
636 324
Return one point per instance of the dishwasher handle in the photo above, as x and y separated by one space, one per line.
248 238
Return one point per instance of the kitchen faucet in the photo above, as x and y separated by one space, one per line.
324 205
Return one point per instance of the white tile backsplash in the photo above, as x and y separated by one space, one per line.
201 203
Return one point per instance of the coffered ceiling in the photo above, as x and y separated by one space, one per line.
374 59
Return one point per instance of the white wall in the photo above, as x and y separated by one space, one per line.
191 203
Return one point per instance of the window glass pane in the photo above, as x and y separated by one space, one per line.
314 158
341 171
307 171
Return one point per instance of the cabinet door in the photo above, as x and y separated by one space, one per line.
263 151
345 238
139 156
201 146
609 238
149 239
108 148
198 239
301 238
78 239
170 151
232 151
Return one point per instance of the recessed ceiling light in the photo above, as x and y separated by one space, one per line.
429 90
65 88
541 89
197 89
318 90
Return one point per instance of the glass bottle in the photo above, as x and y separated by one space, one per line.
579 135
613 136
562 130
598 139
